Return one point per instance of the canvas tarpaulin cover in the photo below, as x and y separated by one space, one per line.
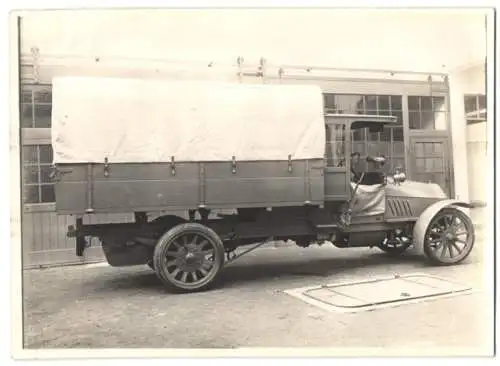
140 121
369 200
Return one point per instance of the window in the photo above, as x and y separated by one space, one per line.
475 108
37 162
384 105
335 144
427 113
390 142
36 106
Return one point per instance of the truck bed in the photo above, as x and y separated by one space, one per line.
85 188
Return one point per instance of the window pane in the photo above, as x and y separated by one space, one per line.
440 120
329 133
43 114
359 147
358 135
43 95
371 102
482 101
45 171
414 120
329 100
398 148
384 102
373 136
399 116
31 194
396 103
470 102
384 148
334 153
426 103
340 149
397 134
29 153
45 154
335 132
427 120
48 194
384 112
31 174
413 103
439 103
26 96
385 135
373 148
26 115
349 103
339 132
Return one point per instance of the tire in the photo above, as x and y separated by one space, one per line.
184 244
442 237
166 222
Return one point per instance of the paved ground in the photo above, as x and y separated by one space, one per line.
80 307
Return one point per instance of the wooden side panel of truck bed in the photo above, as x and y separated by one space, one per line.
180 186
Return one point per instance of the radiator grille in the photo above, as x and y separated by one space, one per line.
399 208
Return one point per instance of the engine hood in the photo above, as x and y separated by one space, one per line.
415 189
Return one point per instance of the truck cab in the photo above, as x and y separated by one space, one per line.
342 161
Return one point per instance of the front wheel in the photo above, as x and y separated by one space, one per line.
450 237
189 258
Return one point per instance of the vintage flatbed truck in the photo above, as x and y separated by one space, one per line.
230 166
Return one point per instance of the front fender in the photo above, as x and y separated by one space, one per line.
426 217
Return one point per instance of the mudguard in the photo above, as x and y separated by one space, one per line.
426 217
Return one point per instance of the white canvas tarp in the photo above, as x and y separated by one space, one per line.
135 121
369 200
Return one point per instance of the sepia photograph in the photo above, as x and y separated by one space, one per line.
312 181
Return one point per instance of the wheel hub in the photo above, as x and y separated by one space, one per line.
449 236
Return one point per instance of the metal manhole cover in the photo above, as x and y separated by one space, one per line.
380 292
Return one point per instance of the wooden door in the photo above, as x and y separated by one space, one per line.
430 161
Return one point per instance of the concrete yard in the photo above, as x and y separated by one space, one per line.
103 307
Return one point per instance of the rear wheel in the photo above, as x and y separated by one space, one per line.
450 237
166 223
189 258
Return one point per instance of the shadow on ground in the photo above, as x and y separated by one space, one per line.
262 270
